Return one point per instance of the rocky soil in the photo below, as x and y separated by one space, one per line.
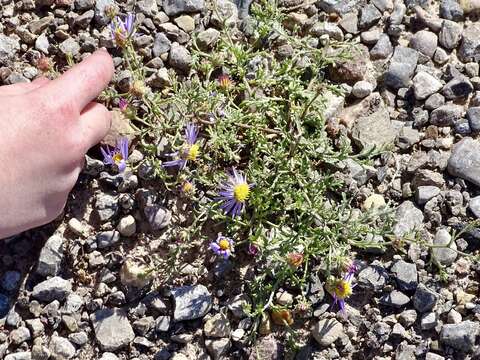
412 86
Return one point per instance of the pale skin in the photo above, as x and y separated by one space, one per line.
47 126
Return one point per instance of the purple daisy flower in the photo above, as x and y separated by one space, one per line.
189 152
223 246
342 289
117 156
122 29
234 193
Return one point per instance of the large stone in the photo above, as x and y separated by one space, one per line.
464 161
402 66
327 331
374 130
424 299
446 115
161 44
405 274
180 58
450 34
112 329
461 336
425 85
395 299
470 47
451 10
445 249
106 207
218 348
457 88
217 326
8 48
372 278
61 348
175 7
158 216
267 348
191 302
369 15
351 70
54 288
424 42
51 256
408 218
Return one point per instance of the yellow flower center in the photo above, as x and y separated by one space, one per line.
193 152
187 187
224 244
117 158
241 192
343 289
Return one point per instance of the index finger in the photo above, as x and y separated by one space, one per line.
83 82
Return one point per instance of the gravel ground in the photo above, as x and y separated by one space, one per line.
413 85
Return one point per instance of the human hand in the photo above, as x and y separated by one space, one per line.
46 127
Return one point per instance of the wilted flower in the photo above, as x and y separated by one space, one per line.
282 316
44 63
253 249
225 82
188 187
341 289
122 29
118 156
223 246
295 259
122 104
136 275
138 88
189 152
234 193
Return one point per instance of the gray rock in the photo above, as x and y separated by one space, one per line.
460 336
425 193
441 56
157 216
84 4
61 348
147 7
395 299
106 207
9 45
127 226
362 89
180 58
464 161
368 16
450 34
429 321
446 115
175 7
69 47
101 6
444 255
208 38
451 10
425 85
218 348
470 47
84 20
111 356
374 129
36 327
407 318
457 88
217 326
112 329
107 238
408 218
10 281
22 355
191 302
383 5
327 331
372 277
473 116
162 324
267 347
42 44
424 299
161 44
407 137
382 49
79 338
425 42
19 335
402 66
474 206
434 101
340 7
398 13
51 289
51 256
327 28
405 274
349 23
226 13
405 352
